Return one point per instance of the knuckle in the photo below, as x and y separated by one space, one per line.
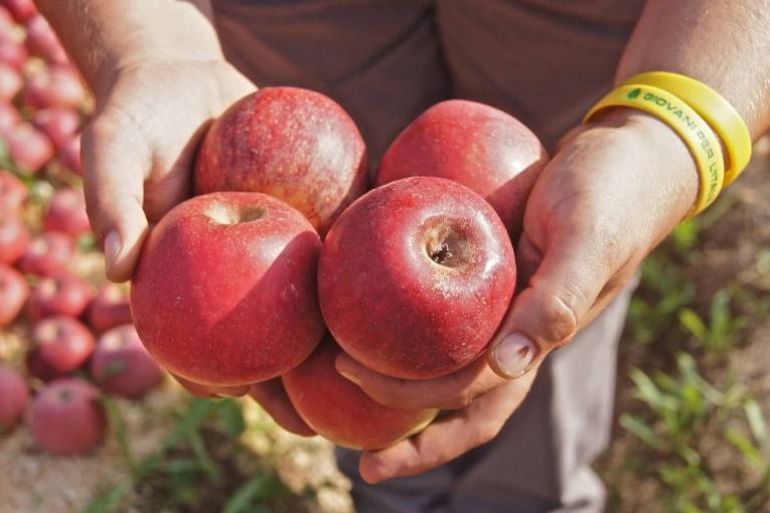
559 316
485 432
460 401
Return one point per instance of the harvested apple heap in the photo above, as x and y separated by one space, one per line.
78 345
412 279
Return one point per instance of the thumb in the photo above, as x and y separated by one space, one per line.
554 305
115 164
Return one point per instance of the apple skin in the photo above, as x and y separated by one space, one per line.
21 10
224 293
386 298
12 53
58 123
14 237
13 294
9 118
67 213
481 147
13 192
57 86
30 148
122 366
7 23
67 417
60 294
47 254
340 411
14 395
109 309
293 144
199 390
10 82
69 155
60 346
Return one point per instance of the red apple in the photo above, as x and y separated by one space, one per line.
340 411
209 391
69 155
60 346
109 309
67 417
47 254
14 237
13 293
9 118
121 365
7 23
21 10
59 124
14 395
13 192
10 82
12 53
57 86
67 213
60 294
43 42
30 148
296 145
479 146
224 293
415 277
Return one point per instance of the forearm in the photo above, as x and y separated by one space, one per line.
722 43
103 36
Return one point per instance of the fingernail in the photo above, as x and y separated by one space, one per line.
112 247
514 354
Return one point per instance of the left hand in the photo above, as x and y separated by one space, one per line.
612 192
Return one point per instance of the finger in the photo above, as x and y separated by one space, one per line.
575 267
450 392
449 437
115 164
273 398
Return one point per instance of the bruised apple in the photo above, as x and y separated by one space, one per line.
481 147
224 293
294 144
340 411
415 277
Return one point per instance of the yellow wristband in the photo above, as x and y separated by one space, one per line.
694 131
712 107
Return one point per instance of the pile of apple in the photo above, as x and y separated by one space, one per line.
283 259
80 339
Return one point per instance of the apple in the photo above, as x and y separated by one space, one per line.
340 411
14 396
30 148
7 23
42 40
122 366
13 192
69 155
296 145
47 254
415 277
67 213
481 147
59 124
9 118
224 293
14 237
21 10
13 293
57 86
199 390
60 294
12 53
67 417
109 309
10 82
60 346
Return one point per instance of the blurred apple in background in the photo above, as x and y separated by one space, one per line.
13 294
47 254
59 346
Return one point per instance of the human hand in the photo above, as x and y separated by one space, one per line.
139 148
612 192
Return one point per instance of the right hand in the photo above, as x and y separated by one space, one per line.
139 149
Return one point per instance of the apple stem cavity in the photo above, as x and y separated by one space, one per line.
223 214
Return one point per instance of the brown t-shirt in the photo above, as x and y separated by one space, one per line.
544 61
